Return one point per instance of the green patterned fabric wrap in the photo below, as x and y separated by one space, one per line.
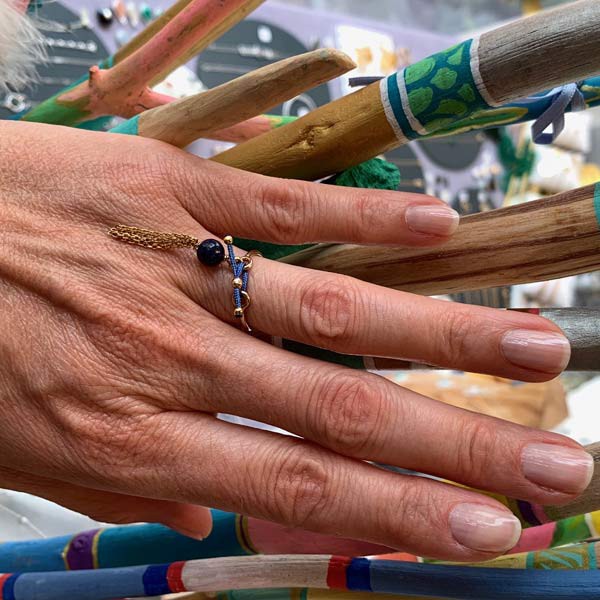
433 93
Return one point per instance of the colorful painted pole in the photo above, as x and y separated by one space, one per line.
552 576
112 547
123 88
431 96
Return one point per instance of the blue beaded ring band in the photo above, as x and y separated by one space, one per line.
210 252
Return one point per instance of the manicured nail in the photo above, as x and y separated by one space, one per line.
432 220
537 350
187 532
562 469
484 528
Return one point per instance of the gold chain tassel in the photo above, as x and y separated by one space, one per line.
152 239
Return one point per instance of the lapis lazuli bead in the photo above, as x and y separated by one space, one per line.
210 252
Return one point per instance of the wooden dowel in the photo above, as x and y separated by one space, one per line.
183 121
540 240
527 56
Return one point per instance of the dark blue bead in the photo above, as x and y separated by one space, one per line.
210 252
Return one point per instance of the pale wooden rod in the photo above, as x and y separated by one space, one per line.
183 121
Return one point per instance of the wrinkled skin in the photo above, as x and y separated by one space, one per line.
114 359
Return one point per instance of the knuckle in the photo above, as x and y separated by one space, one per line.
349 409
328 312
413 512
367 214
475 453
283 211
299 485
454 338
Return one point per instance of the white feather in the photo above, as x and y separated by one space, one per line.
21 47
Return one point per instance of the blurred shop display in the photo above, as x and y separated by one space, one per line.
532 404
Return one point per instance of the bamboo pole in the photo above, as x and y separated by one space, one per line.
524 57
183 121
540 240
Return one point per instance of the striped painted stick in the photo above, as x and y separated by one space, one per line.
432 95
579 557
232 535
183 121
540 578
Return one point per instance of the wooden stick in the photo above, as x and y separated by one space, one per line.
502 65
123 89
158 24
544 239
183 121
242 132
231 19
136 42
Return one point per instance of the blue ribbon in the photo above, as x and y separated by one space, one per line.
564 97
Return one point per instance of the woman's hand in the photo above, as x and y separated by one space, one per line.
114 359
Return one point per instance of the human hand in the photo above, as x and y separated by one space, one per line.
114 359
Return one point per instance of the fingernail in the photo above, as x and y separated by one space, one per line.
484 528
538 350
432 220
566 470
187 532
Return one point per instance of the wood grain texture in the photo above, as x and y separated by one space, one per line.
526 56
183 121
545 239
555 41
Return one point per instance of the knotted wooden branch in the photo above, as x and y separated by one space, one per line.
544 239
183 121
123 89
524 57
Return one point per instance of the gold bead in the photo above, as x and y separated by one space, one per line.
237 283
238 312
228 239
